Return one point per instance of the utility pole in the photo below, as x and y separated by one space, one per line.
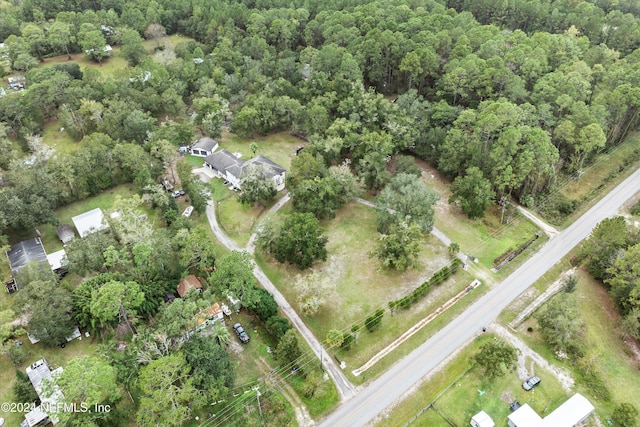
321 359
257 389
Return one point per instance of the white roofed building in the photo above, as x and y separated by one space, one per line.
570 414
89 222
482 419
39 373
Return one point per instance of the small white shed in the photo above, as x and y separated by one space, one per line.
482 419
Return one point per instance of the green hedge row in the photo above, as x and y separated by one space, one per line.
438 277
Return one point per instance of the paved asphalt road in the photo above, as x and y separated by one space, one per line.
378 395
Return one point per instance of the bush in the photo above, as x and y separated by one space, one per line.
277 326
593 381
625 415
348 339
266 307
373 322
23 391
569 284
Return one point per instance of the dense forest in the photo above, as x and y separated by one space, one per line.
503 97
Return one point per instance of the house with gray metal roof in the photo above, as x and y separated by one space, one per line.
204 146
231 168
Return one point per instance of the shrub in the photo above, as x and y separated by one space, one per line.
569 284
348 339
373 322
277 326
625 415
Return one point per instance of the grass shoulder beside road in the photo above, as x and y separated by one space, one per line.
608 170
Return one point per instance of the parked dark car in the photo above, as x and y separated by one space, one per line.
531 383
241 333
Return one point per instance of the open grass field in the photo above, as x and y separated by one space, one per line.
111 65
352 274
62 142
108 67
369 343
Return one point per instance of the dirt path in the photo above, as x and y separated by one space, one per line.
549 230
541 299
346 390
524 351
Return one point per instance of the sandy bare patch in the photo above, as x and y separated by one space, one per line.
236 347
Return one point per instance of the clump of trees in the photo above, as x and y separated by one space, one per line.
612 255
405 210
299 240
495 358
561 326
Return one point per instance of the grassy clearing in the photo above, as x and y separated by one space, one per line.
279 147
108 67
353 274
64 214
392 326
62 142
485 238
236 219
